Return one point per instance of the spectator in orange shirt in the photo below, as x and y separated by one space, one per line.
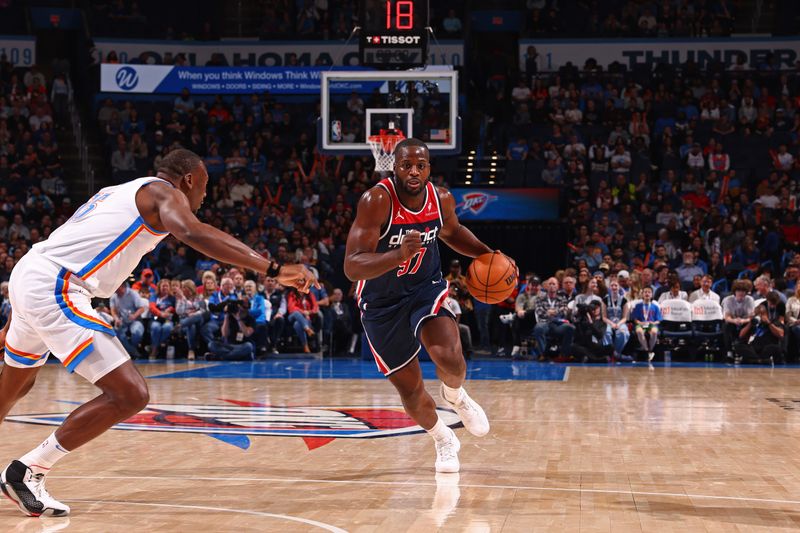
146 280
220 112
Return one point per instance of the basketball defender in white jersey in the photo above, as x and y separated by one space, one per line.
90 255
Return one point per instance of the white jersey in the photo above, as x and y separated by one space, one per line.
104 240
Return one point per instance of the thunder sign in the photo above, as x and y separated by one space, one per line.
235 422
506 204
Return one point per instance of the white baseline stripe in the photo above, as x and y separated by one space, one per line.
322 525
430 484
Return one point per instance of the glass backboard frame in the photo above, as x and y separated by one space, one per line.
327 146
407 127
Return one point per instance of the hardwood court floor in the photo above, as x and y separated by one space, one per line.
608 449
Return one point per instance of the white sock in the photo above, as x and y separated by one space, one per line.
440 431
450 394
43 457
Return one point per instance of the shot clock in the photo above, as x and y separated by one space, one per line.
394 33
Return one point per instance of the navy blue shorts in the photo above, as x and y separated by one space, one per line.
393 331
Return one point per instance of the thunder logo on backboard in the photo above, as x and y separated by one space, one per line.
236 421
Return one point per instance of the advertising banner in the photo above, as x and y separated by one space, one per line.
554 53
706 310
260 53
160 79
20 50
45 18
506 204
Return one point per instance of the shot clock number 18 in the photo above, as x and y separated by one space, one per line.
402 15
393 33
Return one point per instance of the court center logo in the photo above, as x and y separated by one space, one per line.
236 421
474 202
127 78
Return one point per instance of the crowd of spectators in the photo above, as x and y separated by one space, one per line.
335 19
198 20
618 315
677 178
270 188
276 19
630 18
33 195
233 319
678 184
682 226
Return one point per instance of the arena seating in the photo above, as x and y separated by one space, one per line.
650 163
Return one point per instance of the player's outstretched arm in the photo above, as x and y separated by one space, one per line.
175 216
360 260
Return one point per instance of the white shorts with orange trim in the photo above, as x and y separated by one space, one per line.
50 313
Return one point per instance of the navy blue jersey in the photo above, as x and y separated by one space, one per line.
424 268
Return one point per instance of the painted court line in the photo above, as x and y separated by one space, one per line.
321 525
431 484
791 425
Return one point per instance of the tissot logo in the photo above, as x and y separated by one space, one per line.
393 39
316 425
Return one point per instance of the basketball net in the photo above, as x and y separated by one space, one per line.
383 145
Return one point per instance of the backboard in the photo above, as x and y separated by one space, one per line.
421 103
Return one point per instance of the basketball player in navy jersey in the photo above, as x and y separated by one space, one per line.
392 253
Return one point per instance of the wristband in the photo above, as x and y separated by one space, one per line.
274 269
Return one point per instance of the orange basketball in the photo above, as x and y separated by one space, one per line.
491 278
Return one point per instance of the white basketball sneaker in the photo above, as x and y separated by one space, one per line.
25 488
470 413
447 453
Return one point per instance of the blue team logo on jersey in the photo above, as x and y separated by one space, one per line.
236 421
127 78
474 202
89 206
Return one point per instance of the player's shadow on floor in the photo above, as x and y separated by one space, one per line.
622 480
272 472
738 512
569 481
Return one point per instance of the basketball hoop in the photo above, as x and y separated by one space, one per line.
383 146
